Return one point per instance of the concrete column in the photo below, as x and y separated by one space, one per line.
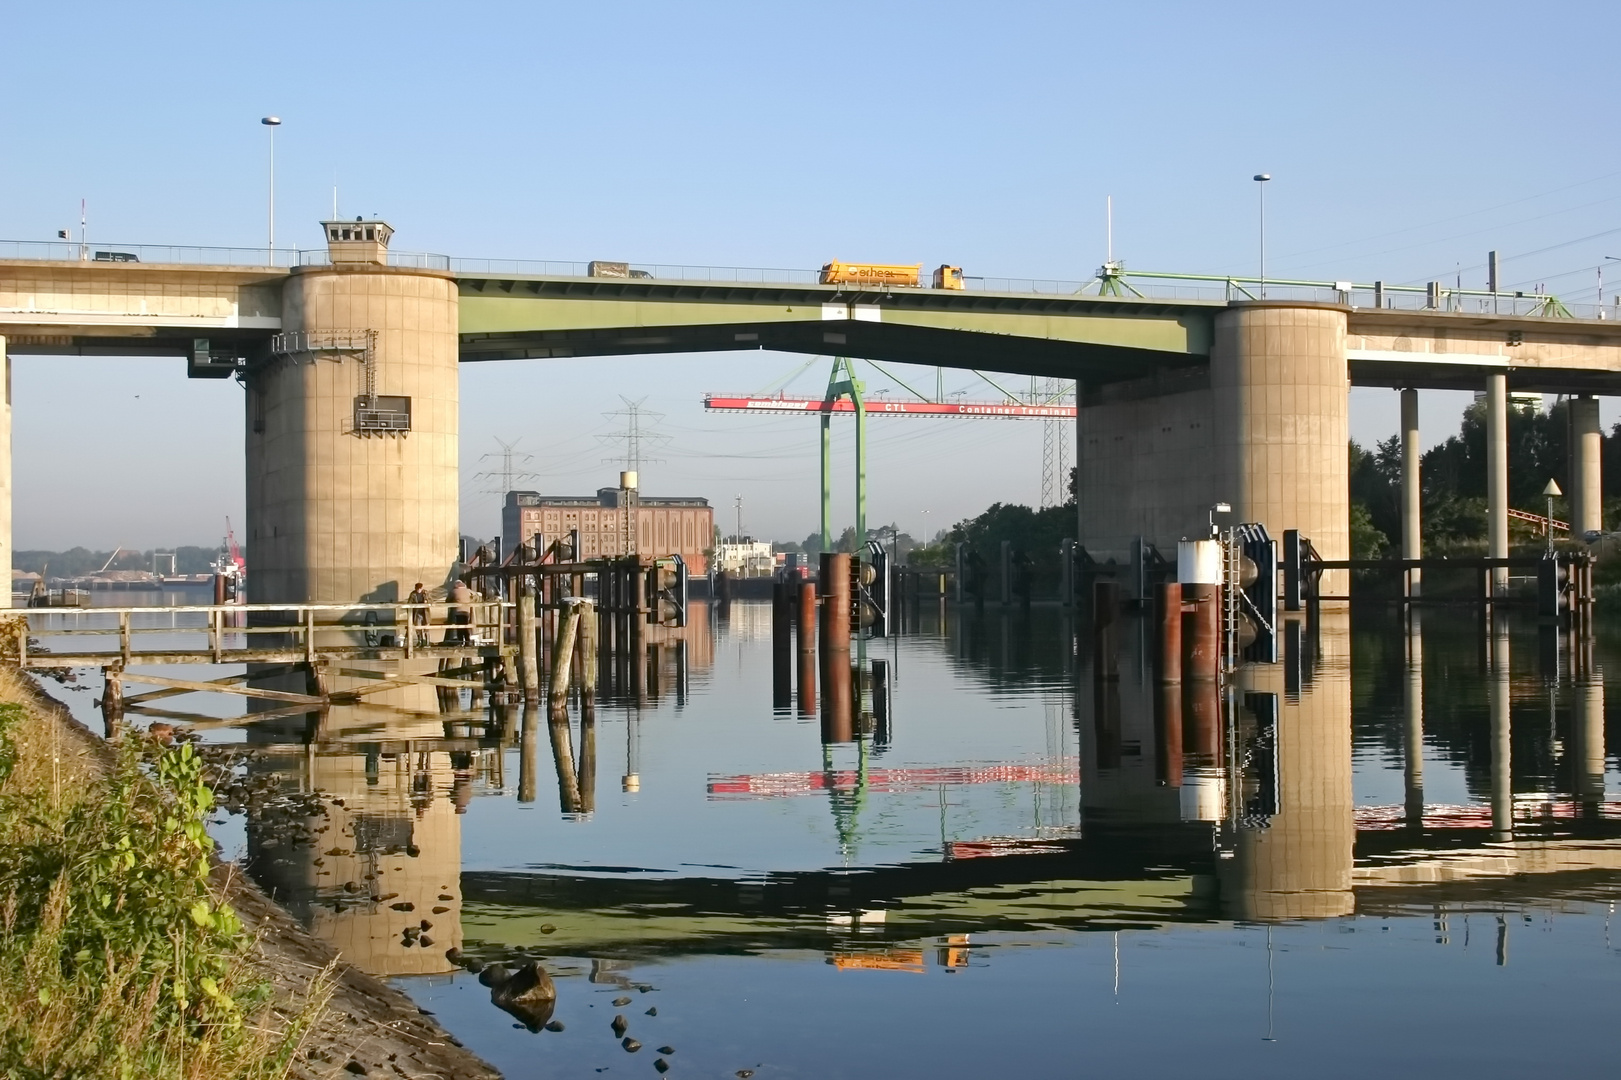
1280 398
1412 546
1497 477
336 515
1586 468
5 473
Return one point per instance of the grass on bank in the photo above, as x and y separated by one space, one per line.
117 957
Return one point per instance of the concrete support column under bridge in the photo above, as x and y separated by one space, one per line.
1263 426
1281 396
346 503
1412 543
1586 467
1497 477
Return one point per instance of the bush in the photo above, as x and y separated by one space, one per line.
117 958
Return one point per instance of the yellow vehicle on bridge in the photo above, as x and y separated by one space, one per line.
911 277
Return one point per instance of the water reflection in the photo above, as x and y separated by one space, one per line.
925 802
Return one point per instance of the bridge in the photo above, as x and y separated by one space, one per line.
1190 391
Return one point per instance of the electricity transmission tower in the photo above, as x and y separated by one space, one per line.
1055 440
508 474
636 435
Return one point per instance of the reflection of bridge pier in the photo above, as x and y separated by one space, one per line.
1586 750
381 880
1413 714
1298 864
1497 695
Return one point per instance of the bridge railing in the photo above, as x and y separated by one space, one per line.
1121 283
190 255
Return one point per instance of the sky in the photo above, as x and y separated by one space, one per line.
1405 141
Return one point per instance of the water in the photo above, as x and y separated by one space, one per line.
1017 872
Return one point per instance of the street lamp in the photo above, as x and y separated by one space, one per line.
1550 490
1607 258
1260 179
272 122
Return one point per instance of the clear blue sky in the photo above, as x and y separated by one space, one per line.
1405 140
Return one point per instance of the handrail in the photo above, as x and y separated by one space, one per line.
1111 281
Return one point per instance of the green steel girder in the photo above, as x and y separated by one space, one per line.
1101 338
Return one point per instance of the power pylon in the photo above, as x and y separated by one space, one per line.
507 475
1055 438
635 435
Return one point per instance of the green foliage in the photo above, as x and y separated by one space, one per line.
117 958
1367 542
1034 536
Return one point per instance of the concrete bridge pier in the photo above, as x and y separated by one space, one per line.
1412 543
1497 477
1263 427
1586 467
352 426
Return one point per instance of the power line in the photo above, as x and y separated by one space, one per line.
1454 217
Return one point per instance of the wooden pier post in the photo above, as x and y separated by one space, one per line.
112 698
838 699
316 680
1168 613
563 656
833 590
528 662
782 644
807 648
587 635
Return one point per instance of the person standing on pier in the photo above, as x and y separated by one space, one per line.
419 615
461 614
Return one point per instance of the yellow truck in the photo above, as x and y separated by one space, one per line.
911 277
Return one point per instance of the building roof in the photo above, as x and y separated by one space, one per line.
605 497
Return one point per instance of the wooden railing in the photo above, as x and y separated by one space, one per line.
295 628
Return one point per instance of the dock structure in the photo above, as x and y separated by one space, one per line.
580 621
275 641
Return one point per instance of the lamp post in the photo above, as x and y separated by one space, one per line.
272 122
1260 181
1550 490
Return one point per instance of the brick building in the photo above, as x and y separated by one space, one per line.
664 526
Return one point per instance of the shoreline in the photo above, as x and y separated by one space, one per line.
368 1028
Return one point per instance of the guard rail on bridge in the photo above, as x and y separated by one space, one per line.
1110 281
